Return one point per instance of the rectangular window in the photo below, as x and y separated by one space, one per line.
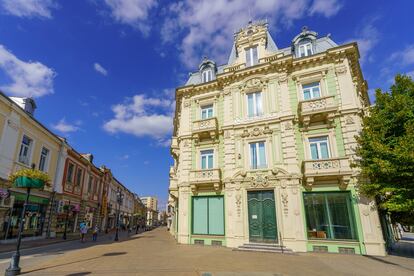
90 183
207 75
44 156
207 112
311 91
305 50
25 150
207 159
69 175
258 155
208 215
319 148
251 56
330 216
254 104
79 177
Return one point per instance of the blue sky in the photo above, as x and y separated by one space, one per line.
103 73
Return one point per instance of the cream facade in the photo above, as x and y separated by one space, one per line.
262 148
25 143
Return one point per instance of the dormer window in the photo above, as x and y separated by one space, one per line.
207 75
305 50
251 56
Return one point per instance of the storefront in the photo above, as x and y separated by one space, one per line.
67 215
34 216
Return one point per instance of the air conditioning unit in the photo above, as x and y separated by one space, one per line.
7 202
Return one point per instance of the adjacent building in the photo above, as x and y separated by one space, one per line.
151 203
262 148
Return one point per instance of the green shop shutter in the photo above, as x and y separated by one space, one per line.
216 216
200 215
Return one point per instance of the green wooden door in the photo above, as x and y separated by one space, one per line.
262 216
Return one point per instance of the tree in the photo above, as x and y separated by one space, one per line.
386 150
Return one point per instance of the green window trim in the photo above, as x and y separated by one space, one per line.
213 223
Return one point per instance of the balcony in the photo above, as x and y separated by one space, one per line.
207 128
327 169
234 68
319 109
205 178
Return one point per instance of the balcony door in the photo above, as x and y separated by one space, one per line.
262 216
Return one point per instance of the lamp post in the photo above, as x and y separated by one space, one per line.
119 198
66 221
14 268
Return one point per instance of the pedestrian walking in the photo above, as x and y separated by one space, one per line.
95 233
83 230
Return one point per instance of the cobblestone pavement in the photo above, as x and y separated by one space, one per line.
156 253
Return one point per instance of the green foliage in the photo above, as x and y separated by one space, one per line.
386 149
34 174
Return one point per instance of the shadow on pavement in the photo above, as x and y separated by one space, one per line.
79 274
81 261
387 262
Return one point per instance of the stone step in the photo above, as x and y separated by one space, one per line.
263 247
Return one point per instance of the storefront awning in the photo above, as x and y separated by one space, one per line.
32 198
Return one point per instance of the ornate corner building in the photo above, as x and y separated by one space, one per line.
263 147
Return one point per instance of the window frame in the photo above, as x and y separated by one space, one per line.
206 108
46 159
71 180
207 75
256 106
250 53
78 178
318 147
29 148
208 215
351 215
258 166
311 90
207 155
306 47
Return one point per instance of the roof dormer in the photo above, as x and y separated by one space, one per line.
304 44
208 70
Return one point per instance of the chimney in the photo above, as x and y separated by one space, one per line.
28 104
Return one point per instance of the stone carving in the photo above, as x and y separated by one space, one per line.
187 103
245 133
283 78
340 69
349 120
238 204
256 131
288 126
285 202
325 164
259 180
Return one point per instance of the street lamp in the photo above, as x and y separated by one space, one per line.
119 199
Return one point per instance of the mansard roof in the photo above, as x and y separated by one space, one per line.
320 45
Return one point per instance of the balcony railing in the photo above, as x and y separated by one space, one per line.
206 127
205 178
234 68
325 169
325 106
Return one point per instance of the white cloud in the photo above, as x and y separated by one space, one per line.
404 57
29 8
367 38
327 8
99 68
143 116
29 79
132 12
206 27
65 127
411 74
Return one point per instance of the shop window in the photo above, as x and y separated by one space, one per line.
208 215
257 155
329 216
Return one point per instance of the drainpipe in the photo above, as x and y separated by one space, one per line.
52 199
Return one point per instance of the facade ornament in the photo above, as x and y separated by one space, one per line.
340 69
187 103
288 126
256 131
283 78
238 204
267 130
245 133
259 180
349 120
285 201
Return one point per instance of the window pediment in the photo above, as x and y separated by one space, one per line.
253 84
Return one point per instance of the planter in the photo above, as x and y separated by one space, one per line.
27 182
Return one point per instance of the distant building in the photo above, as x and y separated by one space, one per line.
151 203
